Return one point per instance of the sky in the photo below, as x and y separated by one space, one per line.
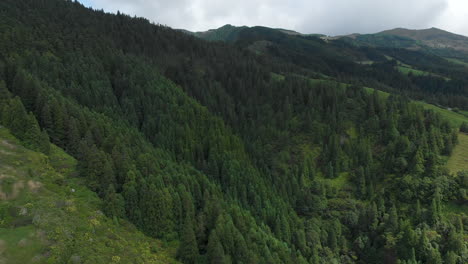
330 17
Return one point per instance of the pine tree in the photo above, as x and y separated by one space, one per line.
417 163
451 258
215 250
332 239
16 118
188 250
33 136
5 96
436 210
362 186
393 219
114 205
44 143
330 171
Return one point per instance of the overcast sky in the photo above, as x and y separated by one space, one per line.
331 17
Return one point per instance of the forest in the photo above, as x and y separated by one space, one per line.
234 156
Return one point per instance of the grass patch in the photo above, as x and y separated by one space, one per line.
352 132
458 161
457 61
340 181
21 244
410 70
406 70
277 77
382 94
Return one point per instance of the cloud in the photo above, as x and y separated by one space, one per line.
332 17
455 17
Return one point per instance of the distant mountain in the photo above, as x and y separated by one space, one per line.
432 37
227 33
434 40
230 33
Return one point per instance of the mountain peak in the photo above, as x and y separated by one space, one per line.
423 34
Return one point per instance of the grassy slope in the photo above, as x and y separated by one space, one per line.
454 118
459 159
407 70
457 61
43 221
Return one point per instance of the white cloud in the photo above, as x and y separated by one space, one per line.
309 16
455 18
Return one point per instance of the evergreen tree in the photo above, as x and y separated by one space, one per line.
215 250
188 250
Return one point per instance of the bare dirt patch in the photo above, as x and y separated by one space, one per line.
6 153
34 186
2 246
7 144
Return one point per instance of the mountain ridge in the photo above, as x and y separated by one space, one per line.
433 38
394 31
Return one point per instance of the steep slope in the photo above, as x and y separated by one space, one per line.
234 156
165 196
49 216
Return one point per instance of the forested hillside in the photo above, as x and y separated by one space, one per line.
388 62
264 151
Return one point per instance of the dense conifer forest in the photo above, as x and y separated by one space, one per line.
238 151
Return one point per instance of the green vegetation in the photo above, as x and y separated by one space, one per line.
454 118
407 70
458 61
48 217
206 152
458 161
